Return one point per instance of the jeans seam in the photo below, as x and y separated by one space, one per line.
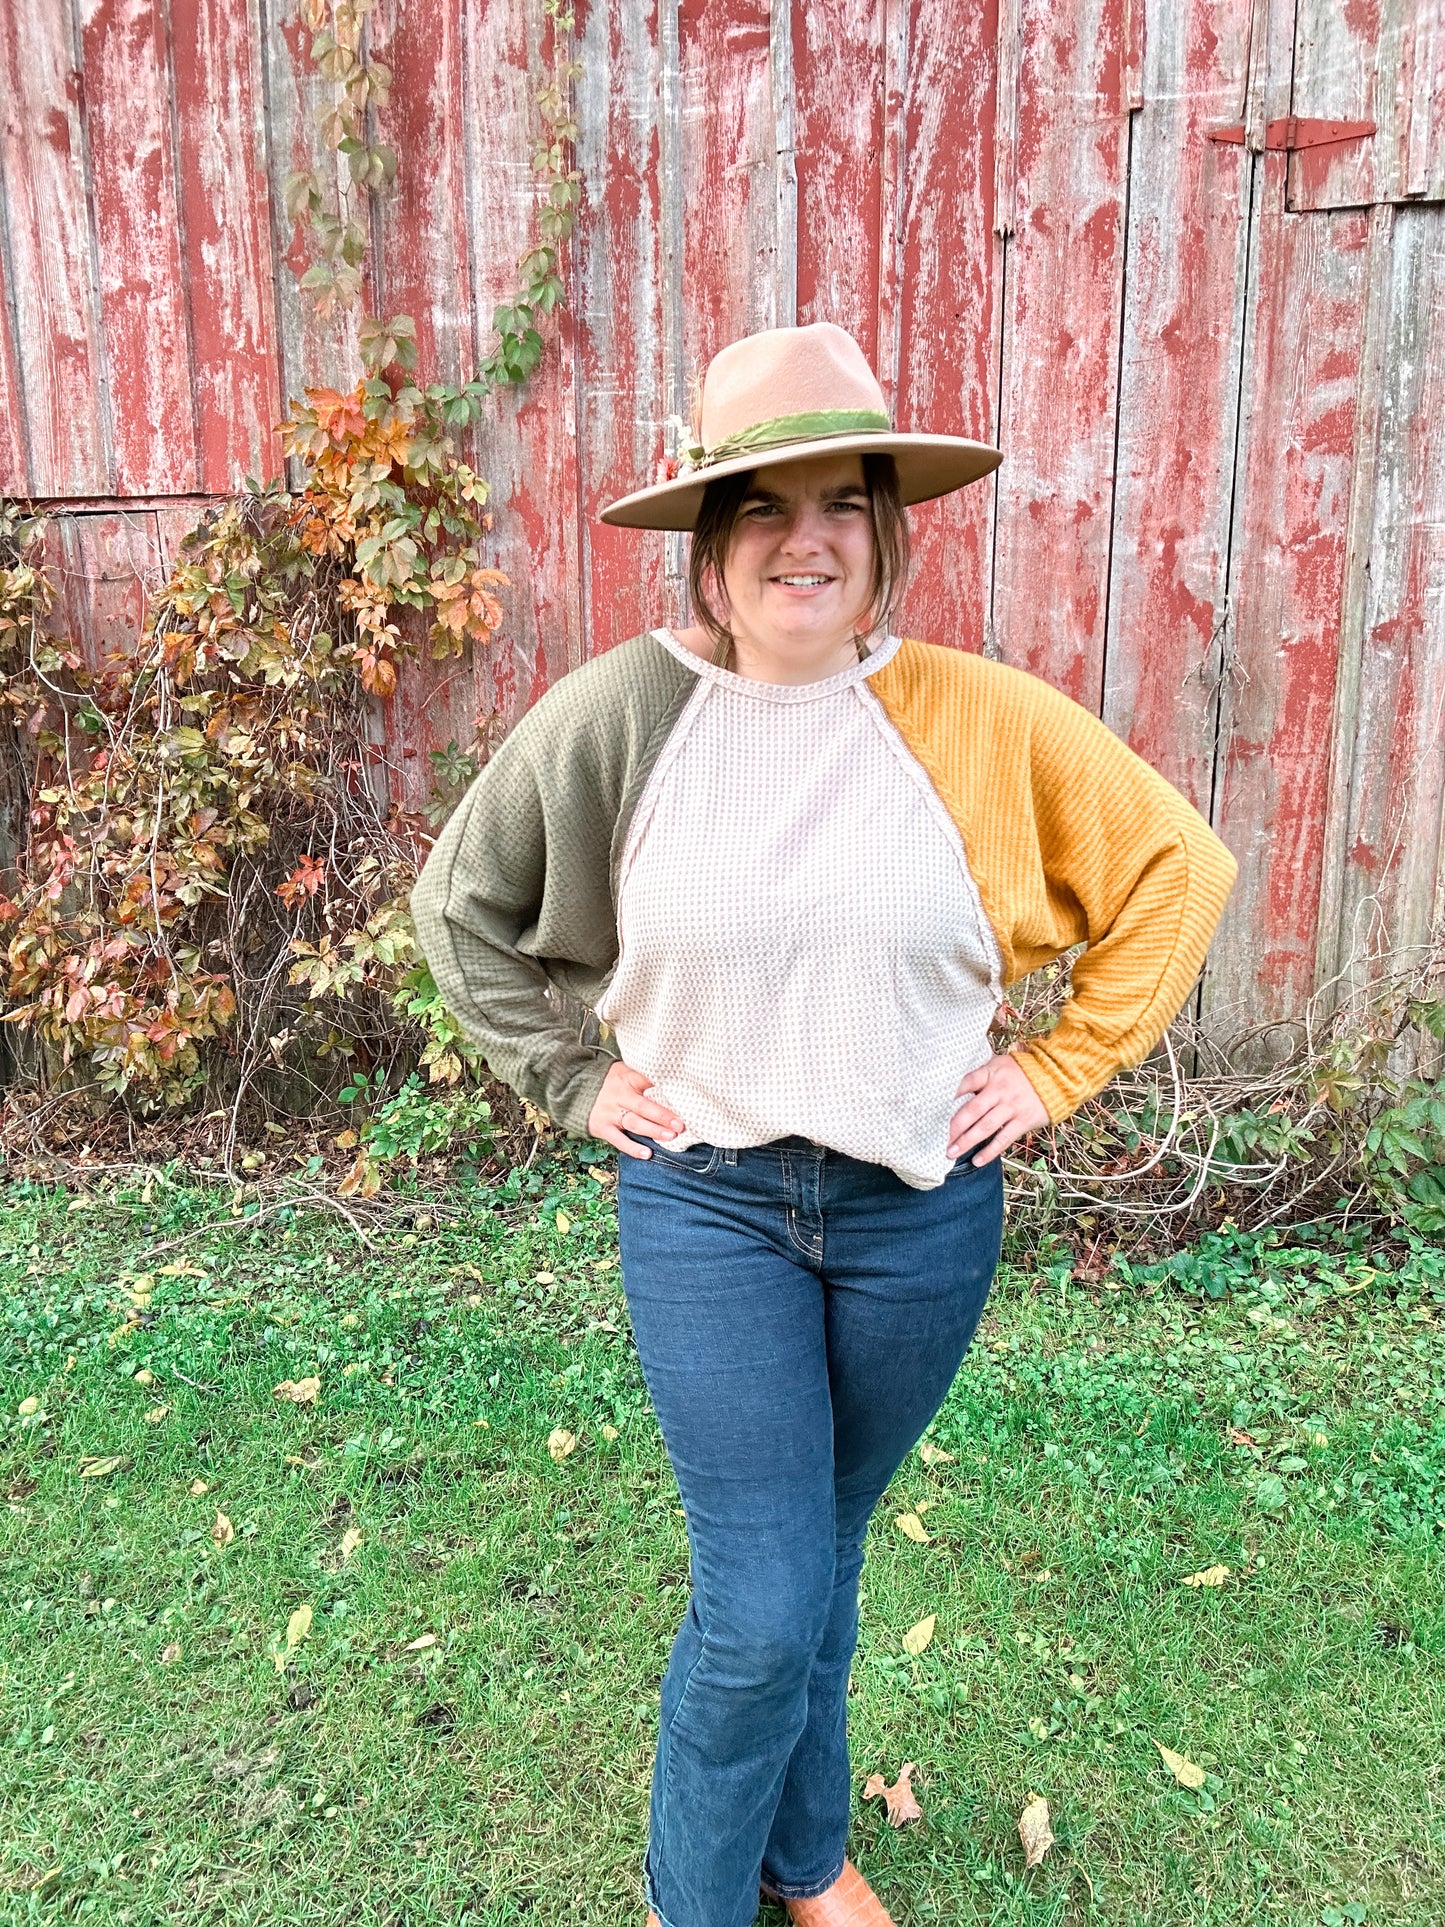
667 1781
652 1905
694 1170
813 1250
806 1890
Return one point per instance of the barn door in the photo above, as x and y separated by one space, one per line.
1331 765
1373 73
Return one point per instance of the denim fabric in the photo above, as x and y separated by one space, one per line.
799 1316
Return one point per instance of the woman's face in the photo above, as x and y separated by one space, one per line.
800 567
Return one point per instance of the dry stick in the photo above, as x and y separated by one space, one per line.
266 1211
171 1372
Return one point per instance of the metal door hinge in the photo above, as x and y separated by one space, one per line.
1293 133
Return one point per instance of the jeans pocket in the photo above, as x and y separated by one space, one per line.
700 1159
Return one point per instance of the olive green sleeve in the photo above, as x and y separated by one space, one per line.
479 908
514 907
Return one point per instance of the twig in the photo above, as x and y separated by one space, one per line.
267 1210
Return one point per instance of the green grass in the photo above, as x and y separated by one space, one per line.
155 1765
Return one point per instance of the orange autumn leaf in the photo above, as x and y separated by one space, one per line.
337 415
378 672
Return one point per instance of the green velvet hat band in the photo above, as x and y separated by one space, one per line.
783 429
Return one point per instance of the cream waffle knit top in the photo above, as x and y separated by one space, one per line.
802 944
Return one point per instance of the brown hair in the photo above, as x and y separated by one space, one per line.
717 517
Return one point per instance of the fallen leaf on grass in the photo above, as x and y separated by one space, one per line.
144 1378
561 1443
301 1391
609 1432
156 1414
170 1652
28 1407
932 1454
420 1645
902 1807
298 1628
911 1526
223 1532
1034 1830
564 1224
350 1540
1184 1771
917 1637
1211 1576
90 1468
199 1488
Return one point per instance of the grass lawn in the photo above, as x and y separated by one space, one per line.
463 1734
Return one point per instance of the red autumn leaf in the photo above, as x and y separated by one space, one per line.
304 881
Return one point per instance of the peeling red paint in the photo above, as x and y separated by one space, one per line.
1107 366
142 276
1308 318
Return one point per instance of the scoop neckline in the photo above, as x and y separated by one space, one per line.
779 692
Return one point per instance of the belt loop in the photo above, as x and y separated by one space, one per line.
730 1156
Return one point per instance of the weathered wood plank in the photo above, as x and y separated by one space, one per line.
104 568
1061 319
132 180
1179 385
1306 305
1375 60
945 316
838 51
314 353
422 260
14 452
173 524
740 271
230 270
1391 806
1271 66
50 254
528 448
619 300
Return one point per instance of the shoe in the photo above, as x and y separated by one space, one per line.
849 1902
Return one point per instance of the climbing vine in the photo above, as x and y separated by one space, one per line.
210 898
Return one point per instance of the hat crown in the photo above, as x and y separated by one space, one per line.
784 371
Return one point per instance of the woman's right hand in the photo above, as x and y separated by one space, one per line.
623 1101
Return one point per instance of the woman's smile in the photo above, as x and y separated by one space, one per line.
802 586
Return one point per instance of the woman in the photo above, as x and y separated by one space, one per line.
793 862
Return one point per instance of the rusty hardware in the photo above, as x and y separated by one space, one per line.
1293 133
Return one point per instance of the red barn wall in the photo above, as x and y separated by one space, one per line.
1213 364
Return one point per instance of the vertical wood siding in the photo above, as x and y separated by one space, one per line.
1217 372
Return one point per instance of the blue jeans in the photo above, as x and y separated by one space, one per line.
799 1316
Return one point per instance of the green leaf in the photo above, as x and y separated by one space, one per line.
1427 1187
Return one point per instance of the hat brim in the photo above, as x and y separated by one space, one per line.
928 466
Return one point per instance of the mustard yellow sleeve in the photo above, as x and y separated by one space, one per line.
1129 867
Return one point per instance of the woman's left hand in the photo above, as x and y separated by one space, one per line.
1002 1105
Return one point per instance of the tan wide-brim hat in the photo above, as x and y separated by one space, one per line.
785 394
